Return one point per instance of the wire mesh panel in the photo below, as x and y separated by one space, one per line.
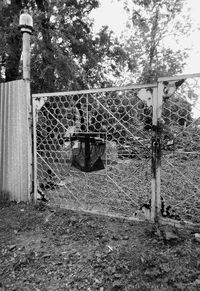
94 149
180 174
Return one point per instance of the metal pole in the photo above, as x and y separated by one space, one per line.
34 188
153 163
156 152
158 157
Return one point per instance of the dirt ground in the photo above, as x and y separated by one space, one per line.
43 248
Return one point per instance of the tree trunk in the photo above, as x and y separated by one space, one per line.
14 42
48 59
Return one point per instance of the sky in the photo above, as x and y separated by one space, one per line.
111 13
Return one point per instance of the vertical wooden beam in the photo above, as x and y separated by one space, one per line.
26 54
26 28
87 152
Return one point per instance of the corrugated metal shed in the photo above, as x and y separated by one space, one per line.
15 143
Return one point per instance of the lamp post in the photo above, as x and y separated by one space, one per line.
26 28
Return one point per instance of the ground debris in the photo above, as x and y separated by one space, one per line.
171 236
11 247
197 237
65 250
168 233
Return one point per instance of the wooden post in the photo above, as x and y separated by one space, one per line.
87 152
26 27
26 56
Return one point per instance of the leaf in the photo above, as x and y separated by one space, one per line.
117 285
170 236
11 247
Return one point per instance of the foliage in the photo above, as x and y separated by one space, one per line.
10 47
65 53
153 25
177 112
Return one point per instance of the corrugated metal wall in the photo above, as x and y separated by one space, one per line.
15 143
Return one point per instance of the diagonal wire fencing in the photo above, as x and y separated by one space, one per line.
93 149
180 169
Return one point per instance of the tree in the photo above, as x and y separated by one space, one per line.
153 23
66 55
10 52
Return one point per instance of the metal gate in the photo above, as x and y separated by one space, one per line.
109 151
93 148
180 140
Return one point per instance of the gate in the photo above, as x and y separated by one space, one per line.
93 148
180 166
109 151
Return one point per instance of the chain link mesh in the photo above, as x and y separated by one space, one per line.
94 150
180 169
